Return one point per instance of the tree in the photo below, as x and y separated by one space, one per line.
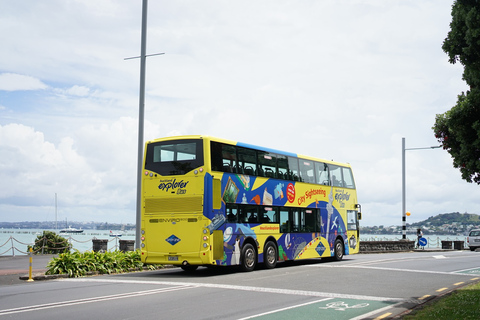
458 130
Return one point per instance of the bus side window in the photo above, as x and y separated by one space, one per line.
307 171
267 163
242 214
223 157
268 214
336 176
252 213
247 160
232 213
322 173
216 156
282 167
293 173
310 222
348 178
295 220
284 222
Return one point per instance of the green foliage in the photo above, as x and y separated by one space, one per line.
50 242
448 218
462 42
461 304
458 130
79 264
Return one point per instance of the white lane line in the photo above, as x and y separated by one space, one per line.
90 300
454 273
244 288
283 309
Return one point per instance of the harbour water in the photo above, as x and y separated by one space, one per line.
16 241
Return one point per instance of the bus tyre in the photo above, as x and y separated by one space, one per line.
189 267
338 248
270 255
248 258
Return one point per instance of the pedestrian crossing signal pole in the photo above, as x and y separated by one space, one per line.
404 206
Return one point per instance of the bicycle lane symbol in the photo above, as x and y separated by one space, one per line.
348 308
337 308
342 306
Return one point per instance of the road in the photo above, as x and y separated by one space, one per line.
365 286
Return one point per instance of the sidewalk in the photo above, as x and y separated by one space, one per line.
11 268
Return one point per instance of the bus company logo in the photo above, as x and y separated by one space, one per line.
173 184
173 240
291 192
341 197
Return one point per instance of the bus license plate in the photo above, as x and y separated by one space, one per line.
172 258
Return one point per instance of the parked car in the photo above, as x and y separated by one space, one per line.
473 239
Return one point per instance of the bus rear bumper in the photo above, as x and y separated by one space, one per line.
177 259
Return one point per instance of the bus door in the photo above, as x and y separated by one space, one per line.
353 231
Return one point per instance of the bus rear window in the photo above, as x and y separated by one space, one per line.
174 157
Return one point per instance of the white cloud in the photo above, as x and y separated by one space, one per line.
343 81
19 82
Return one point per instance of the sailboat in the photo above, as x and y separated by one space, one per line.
116 234
66 230
70 229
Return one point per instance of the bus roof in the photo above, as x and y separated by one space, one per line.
247 145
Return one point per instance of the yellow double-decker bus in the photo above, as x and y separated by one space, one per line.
213 202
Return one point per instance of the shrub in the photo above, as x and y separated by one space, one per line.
78 264
50 242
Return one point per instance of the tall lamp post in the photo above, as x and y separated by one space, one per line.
404 209
141 115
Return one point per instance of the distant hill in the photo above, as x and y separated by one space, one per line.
445 223
450 218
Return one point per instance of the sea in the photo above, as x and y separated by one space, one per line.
15 242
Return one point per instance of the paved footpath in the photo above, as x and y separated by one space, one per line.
11 268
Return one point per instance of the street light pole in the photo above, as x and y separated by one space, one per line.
141 112
404 210
404 206
141 115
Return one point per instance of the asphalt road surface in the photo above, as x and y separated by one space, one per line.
365 286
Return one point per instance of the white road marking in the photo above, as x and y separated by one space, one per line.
453 273
89 300
244 288
284 309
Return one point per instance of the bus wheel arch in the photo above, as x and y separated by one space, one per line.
249 256
270 254
339 249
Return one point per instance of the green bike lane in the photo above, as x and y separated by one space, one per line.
329 308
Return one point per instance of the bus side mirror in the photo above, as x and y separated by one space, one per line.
359 213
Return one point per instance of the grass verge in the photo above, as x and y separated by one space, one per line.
461 304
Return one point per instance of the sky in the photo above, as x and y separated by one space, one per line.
338 80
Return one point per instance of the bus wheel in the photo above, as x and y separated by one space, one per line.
338 250
270 255
249 257
188 268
